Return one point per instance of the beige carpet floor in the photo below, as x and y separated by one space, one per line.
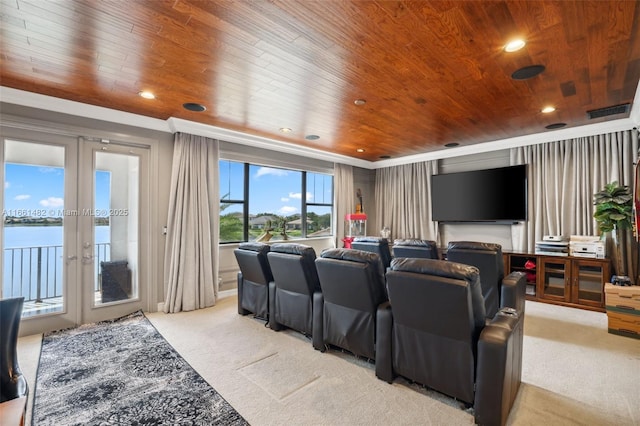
574 373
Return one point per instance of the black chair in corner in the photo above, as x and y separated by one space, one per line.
353 289
434 332
415 248
377 245
12 382
253 279
295 281
498 291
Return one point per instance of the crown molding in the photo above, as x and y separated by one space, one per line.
191 127
64 106
532 139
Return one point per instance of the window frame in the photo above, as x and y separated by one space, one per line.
303 205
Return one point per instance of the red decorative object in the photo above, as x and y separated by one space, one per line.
347 242
355 216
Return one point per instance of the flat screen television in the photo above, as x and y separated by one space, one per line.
490 195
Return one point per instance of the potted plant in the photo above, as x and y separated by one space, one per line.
614 214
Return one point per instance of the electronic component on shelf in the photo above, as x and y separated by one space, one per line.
552 247
587 246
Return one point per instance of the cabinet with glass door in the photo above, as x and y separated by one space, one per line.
553 282
588 277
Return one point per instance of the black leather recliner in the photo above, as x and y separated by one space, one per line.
253 279
415 248
498 291
377 245
12 382
433 332
353 288
295 281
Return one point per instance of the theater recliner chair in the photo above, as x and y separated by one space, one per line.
434 333
416 248
295 281
353 288
498 291
253 279
377 245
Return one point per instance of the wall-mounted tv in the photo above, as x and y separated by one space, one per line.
490 195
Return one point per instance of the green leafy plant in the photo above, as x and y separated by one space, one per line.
614 213
614 207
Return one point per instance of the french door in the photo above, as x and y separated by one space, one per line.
74 236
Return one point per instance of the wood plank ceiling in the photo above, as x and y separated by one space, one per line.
431 72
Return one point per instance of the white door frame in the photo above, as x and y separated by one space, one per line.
92 312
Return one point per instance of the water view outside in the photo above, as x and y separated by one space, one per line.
20 253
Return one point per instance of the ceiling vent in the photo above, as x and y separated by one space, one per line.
612 110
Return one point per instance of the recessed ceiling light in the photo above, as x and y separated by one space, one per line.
191 106
547 109
285 130
514 45
147 95
359 102
451 145
312 137
527 72
360 150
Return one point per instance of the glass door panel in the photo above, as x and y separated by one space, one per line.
588 283
112 237
115 227
554 279
33 227
38 233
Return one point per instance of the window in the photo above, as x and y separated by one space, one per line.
233 193
261 203
319 189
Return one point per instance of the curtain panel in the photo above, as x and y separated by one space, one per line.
403 200
191 253
562 178
344 198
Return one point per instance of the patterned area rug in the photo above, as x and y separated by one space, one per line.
122 372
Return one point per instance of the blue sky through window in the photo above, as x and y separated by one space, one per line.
40 189
273 190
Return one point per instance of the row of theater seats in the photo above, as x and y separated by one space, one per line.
428 320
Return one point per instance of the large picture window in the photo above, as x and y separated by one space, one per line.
260 203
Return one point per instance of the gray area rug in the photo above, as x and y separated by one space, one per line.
122 372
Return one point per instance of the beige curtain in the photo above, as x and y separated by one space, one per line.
403 200
191 255
562 178
344 198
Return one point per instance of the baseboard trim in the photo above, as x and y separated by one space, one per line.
221 295
227 293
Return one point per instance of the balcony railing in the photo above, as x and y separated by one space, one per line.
35 273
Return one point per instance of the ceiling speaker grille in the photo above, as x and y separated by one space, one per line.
612 110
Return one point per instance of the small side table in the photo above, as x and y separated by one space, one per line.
623 309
